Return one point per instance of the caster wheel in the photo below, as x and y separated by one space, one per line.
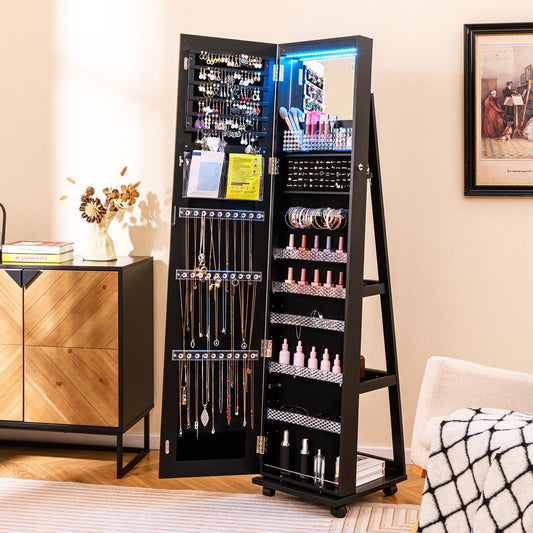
339 512
389 491
268 492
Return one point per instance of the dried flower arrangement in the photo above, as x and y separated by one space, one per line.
93 210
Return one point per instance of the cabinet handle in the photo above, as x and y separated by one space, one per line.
28 276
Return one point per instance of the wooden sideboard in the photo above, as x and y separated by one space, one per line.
76 348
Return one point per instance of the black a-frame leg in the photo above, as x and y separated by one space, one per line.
386 298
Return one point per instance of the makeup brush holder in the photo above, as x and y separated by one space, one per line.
298 141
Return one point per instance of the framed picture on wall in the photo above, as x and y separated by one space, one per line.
498 109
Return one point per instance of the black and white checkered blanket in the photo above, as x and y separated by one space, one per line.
480 474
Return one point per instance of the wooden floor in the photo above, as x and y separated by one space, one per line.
99 467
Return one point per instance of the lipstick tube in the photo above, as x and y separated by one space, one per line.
316 279
290 274
303 274
329 279
291 242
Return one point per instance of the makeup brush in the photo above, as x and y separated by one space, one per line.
286 117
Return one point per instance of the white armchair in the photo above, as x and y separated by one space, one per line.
450 384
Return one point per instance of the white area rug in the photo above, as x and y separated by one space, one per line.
28 506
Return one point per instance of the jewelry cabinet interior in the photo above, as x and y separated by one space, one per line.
276 150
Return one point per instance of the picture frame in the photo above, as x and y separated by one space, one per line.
498 109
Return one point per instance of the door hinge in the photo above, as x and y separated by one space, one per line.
273 165
266 348
260 445
278 72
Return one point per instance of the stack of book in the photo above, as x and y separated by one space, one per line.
369 469
37 252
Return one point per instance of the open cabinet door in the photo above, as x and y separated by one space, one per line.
218 258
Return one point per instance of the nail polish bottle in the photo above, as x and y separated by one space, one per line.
340 249
319 467
303 274
284 452
284 354
303 245
328 247
325 364
304 459
291 242
316 244
290 274
329 279
312 362
299 356
337 365
340 285
316 279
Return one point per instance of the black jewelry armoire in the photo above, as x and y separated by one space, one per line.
276 150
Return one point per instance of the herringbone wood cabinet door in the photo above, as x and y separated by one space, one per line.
72 308
10 349
71 386
71 348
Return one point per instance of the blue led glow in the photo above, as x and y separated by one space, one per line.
323 54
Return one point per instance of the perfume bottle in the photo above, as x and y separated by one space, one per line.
284 452
325 364
337 470
337 365
304 459
319 467
299 356
284 354
312 362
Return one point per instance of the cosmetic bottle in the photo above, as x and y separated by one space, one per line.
284 354
291 242
303 245
312 361
340 249
299 356
316 244
325 364
316 279
284 452
328 245
290 276
336 365
329 279
303 274
340 285
319 466
304 459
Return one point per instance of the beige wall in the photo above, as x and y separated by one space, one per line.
88 86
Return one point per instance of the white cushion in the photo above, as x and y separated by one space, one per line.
450 384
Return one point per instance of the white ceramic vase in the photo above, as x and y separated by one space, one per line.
99 245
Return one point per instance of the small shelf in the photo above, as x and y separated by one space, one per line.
372 288
315 322
304 372
309 290
330 426
310 255
376 379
